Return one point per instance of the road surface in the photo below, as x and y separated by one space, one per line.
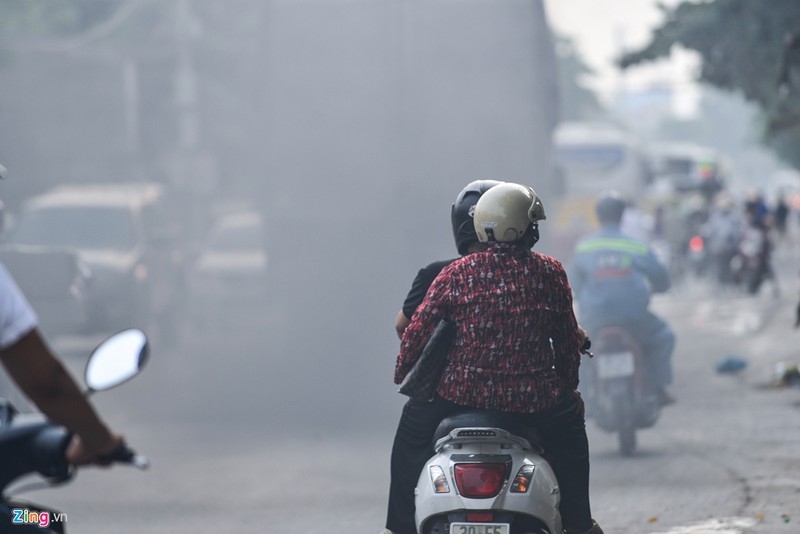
242 440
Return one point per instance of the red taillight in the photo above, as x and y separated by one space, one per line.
480 481
696 244
478 517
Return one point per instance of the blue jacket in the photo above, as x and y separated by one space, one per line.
613 275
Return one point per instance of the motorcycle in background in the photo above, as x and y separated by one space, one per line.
697 256
29 443
752 264
614 387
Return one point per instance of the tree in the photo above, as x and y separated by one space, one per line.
52 18
577 102
45 20
748 47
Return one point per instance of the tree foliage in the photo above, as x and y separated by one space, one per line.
577 101
746 46
52 18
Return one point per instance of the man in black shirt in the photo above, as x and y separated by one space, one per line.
466 242
419 287
412 442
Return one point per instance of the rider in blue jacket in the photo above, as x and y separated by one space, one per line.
613 276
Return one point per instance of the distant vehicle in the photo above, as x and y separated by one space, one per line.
591 158
56 283
595 157
687 167
125 234
614 385
230 271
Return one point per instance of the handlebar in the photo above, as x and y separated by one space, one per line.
36 445
125 455
586 346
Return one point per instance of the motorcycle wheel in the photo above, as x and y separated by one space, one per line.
626 433
627 440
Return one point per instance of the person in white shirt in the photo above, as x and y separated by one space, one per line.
43 379
636 223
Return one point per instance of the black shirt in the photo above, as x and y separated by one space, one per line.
420 286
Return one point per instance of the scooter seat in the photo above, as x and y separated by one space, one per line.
478 418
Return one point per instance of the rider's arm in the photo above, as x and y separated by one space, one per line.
655 271
419 288
401 322
567 338
42 377
576 273
423 324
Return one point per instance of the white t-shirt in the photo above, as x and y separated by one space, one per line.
17 318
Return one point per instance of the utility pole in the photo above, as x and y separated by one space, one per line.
185 93
130 95
193 176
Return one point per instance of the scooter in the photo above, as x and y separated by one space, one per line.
487 476
698 256
614 386
751 265
30 443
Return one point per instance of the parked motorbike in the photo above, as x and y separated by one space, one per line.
614 387
29 443
487 476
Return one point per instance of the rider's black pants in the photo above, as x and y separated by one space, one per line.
563 429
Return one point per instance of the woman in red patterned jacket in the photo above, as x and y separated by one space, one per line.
517 343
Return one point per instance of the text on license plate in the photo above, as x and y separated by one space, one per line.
615 364
480 528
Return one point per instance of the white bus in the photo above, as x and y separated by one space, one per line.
592 158
687 167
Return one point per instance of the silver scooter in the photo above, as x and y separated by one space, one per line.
486 477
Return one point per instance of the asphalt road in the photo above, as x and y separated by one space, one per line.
242 439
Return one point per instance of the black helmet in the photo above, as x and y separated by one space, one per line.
609 208
463 210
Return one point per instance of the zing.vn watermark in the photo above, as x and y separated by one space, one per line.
23 516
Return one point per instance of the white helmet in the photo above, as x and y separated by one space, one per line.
506 211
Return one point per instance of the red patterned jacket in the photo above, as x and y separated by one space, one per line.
516 346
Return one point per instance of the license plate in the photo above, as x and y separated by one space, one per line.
615 364
480 528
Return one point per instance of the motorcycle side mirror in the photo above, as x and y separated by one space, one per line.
116 360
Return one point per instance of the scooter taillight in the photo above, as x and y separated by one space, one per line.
480 481
523 479
696 244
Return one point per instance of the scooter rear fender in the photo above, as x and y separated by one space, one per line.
540 501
